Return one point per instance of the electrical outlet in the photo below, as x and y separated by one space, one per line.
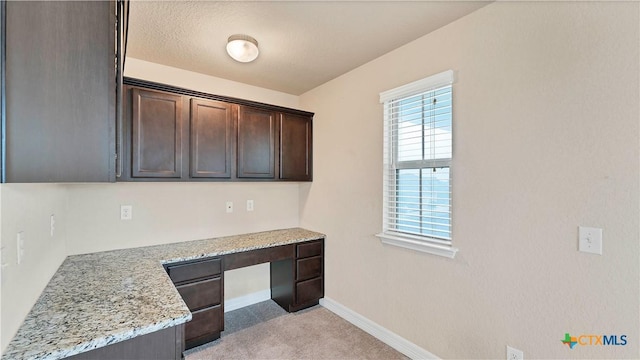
20 247
126 212
590 240
229 206
249 205
514 354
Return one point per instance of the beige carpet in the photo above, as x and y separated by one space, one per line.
265 331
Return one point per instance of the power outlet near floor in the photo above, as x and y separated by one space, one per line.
514 354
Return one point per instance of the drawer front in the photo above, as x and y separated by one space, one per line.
195 270
309 249
309 290
201 294
253 257
308 268
205 321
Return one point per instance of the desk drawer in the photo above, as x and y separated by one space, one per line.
204 322
309 249
308 268
310 290
201 294
195 270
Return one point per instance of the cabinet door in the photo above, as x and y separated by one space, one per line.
212 140
60 91
295 147
256 143
157 134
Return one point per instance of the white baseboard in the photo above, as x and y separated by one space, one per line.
246 300
395 341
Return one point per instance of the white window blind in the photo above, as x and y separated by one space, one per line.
417 160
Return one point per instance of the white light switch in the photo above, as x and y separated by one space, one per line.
590 240
249 205
229 206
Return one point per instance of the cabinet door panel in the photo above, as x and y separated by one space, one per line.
295 147
256 143
60 91
211 139
157 134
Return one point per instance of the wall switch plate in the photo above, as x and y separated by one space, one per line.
590 240
126 212
514 354
249 205
52 224
20 246
229 206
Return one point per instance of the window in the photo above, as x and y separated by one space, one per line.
417 162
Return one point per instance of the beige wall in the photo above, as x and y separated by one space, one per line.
546 113
174 212
27 208
145 70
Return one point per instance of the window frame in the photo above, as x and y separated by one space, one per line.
424 243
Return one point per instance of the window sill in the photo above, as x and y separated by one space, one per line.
422 246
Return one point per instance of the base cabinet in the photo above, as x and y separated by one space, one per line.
200 283
299 284
166 344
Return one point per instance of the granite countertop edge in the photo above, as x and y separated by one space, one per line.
121 292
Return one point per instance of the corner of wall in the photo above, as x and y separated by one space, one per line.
27 208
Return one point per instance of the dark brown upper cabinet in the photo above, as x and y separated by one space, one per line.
156 134
59 91
295 147
212 139
256 143
176 134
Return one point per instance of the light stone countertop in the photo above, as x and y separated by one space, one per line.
98 299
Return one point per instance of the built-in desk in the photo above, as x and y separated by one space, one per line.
297 282
124 304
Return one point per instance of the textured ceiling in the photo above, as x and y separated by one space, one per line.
302 44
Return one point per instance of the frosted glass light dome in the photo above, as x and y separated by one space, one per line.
242 48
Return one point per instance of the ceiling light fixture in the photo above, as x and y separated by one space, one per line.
242 48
